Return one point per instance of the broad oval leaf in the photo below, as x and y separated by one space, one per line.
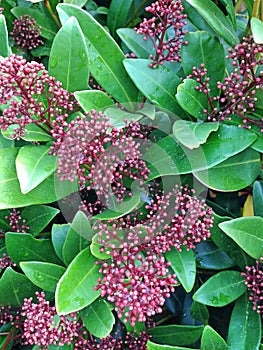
107 69
58 236
98 318
93 99
43 275
211 340
221 289
33 166
245 326
4 46
247 233
34 133
135 42
74 243
68 61
81 225
258 198
75 290
257 30
183 264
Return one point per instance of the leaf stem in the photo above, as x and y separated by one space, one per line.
255 11
53 15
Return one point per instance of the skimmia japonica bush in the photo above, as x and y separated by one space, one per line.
131 174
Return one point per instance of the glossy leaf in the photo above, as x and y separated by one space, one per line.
68 61
58 236
203 48
192 100
237 172
216 20
211 340
230 10
93 99
95 249
74 243
98 318
37 217
191 134
4 46
245 326
135 42
48 27
6 143
33 166
34 133
175 334
183 264
119 118
24 247
75 289
258 198
153 346
199 312
221 289
81 225
247 233
14 287
118 14
209 256
158 85
257 30
79 3
107 69
43 275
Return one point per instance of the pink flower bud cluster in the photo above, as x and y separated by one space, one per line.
26 33
6 261
31 96
165 30
102 157
16 223
254 283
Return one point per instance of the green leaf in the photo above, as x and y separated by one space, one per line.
81 225
79 3
192 100
93 99
24 247
33 166
153 346
4 222
75 290
4 46
107 69
37 217
135 42
98 318
158 85
233 174
258 198
74 243
34 133
209 256
199 312
216 20
230 10
203 48
48 27
95 249
221 289
68 61
183 264
14 287
247 233
118 14
119 118
43 275
191 134
6 143
175 334
58 236
211 340
257 30
245 326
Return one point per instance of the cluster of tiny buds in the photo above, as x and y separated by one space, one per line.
16 223
254 283
6 261
167 15
26 33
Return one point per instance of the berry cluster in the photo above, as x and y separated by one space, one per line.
165 30
254 283
26 33
31 96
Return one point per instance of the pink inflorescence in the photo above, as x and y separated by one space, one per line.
16 223
165 30
31 96
101 156
43 327
254 283
26 33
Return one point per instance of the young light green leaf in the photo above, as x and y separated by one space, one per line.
74 243
257 30
33 166
107 69
68 61
75 290
81 225
58 236
183 264
247 233
95 249
245 326
44 275
93 99
211 340
98 318
4 46
34 133
221 289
